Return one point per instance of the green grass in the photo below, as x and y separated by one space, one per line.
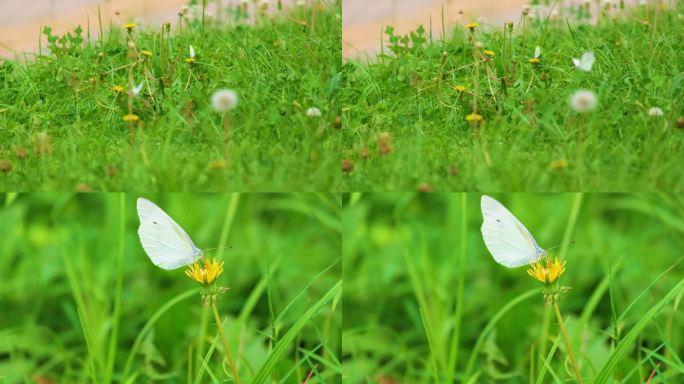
424 301
405 126
82 303
61 122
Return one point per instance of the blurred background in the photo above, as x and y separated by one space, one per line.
21 21
404 266
62 256
364 22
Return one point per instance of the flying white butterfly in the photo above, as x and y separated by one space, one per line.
537 52
509 242
138 88
192 52
164 241
586 62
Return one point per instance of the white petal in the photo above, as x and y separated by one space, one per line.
138 88
192 52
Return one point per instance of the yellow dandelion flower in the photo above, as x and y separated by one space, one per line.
190 60
129 26
117 88
473 117
205 274
147 54
489 53
218 164
459 88
131 118
535 60
558 164
472 26
547 271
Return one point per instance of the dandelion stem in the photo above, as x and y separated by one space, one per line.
224 339
566 339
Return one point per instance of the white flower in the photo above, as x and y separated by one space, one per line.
192 52
537 52
586 62
138 88
655 112
313 112
583 101
224 100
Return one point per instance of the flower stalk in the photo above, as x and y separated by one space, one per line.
566 339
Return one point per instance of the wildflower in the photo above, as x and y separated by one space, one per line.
43 143
313 112
5 166
547 271
384 143
131 118
83 188
459 88
22 153
147 54
224 100
218 164
472 26
509 25
655 112
425 188
117 88
347 165
586 62
473 117
537 54
489 53
557 165
206 274
129 26
526 9
583 101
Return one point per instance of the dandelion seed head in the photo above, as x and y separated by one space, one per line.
655 112
583 101
224 100
313 112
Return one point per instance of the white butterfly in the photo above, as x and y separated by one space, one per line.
537 52
164 241
192 52
138 88
586 62
509 242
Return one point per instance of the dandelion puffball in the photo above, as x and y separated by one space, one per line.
586 62
224 100
313 112
583 101
655 112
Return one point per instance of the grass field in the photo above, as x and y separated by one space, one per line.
425 302
405 109
82 303
62 111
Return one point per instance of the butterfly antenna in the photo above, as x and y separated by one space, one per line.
214 249
559 245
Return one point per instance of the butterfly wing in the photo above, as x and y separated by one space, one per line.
506 238
588 60
164 241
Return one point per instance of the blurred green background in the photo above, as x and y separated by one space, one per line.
66 260
405 267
